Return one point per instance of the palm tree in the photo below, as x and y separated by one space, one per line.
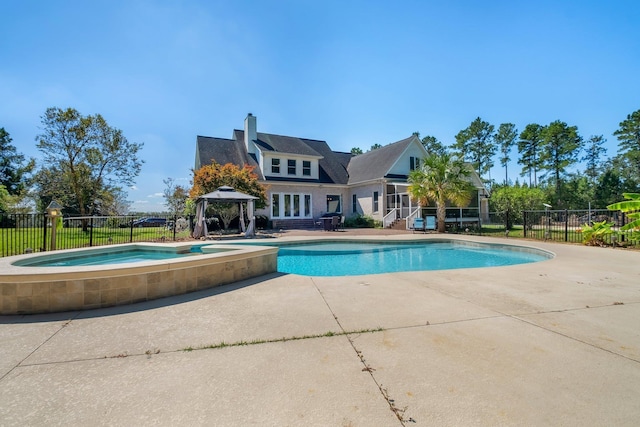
441 178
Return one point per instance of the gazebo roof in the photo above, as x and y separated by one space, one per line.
227 194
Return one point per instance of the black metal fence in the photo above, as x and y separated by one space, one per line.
556 225
24 233
567 225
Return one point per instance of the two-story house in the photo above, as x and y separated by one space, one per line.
306 179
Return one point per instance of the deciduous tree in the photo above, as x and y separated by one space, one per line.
175 196
84 160
608 189
511 201
14 169
4 199
213 176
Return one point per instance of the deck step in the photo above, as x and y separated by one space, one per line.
293 224
398 224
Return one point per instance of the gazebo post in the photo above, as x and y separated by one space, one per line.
227 195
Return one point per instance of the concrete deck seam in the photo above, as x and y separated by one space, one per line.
398 412
19 364
572 338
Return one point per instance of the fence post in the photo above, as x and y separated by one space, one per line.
623 224
44 233
524 218
131 231
91 232
566 225
175 219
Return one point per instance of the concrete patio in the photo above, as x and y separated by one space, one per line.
549 343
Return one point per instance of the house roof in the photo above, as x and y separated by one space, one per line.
332 165
227 194
376 163
223 151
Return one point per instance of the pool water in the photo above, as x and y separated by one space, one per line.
130 255
349 259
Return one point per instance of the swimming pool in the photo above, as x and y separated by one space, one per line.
357 258
101 258
87 278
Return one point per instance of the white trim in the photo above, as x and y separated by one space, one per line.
281 212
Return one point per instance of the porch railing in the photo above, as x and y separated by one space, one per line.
412 216
457 217
388 219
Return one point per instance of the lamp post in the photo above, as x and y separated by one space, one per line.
547 233
54 210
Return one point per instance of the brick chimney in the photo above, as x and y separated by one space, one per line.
250 133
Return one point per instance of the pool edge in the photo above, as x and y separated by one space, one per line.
33 290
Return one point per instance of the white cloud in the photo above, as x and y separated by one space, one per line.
134 188
154 195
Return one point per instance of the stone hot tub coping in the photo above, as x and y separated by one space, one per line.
28 289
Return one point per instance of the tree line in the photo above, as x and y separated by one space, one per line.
549 156
87 164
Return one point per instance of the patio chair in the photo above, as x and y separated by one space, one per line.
418 224
430 223
342 218
335 222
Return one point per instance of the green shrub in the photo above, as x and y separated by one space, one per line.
631 207
594 235
361 221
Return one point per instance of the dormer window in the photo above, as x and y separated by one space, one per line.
275 166
414 163
291 167
306 168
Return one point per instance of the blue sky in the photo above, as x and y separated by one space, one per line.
353 73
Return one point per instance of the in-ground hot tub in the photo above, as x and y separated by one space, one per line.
71 280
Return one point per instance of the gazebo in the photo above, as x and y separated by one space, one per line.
224 194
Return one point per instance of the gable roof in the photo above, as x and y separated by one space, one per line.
223 151
332 165
376 163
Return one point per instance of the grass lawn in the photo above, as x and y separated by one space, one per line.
15 241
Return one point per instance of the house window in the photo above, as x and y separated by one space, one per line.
296 205
333 203
291 167
287 205
306 168
290 205
354 204
307 204
414 163
375 201
275 165
275 205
